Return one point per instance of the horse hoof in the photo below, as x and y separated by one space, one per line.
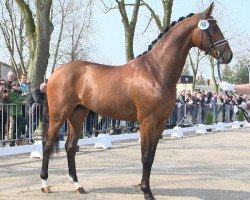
46 190
149 196
80 190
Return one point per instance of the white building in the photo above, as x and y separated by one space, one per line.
4 69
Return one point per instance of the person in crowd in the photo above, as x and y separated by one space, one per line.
15 97
25 92
3 114
10 79
37 95
227 105
207 102
180 106
188 100
215 108
24 86
200 104
194 107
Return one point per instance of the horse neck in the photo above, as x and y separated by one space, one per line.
169 55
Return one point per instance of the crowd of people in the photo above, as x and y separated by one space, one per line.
16 97
200 103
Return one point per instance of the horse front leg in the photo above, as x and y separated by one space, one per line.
150 134
75 126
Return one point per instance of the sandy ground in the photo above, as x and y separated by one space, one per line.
215 166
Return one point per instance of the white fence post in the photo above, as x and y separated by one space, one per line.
104 143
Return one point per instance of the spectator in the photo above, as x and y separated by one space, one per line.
24 86
200 104
10 79
15 97
208 103
37 95
194 107
215 108
25 92
3 113
227 111
180 106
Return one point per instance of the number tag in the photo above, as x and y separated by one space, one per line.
203 24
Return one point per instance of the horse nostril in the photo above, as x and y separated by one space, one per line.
231 56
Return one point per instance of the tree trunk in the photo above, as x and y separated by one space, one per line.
39 38
129 27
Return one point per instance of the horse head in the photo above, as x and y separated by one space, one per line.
208 37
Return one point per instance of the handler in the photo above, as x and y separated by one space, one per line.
239 88
236 88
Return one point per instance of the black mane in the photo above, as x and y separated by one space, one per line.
163 32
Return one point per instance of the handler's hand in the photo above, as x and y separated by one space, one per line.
227 87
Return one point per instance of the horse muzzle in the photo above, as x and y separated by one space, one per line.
226 57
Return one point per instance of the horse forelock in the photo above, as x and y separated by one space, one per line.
165 30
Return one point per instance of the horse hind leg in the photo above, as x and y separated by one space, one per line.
75 126
48 144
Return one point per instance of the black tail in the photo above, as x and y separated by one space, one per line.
46 125
45 118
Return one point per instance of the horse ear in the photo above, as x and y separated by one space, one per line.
209 10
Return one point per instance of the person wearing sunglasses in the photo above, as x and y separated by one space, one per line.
3 113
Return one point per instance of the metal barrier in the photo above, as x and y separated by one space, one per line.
22 124
13 126
197 114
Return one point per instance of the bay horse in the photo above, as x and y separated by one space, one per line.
144 89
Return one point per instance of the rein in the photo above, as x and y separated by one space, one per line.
234 103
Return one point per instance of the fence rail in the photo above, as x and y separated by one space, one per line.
21 126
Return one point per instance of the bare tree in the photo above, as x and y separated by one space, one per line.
167 10
74 29
129 25
195 58
38 32
12 28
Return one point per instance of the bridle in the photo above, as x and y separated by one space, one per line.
213 46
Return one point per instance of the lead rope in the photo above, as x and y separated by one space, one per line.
234 103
